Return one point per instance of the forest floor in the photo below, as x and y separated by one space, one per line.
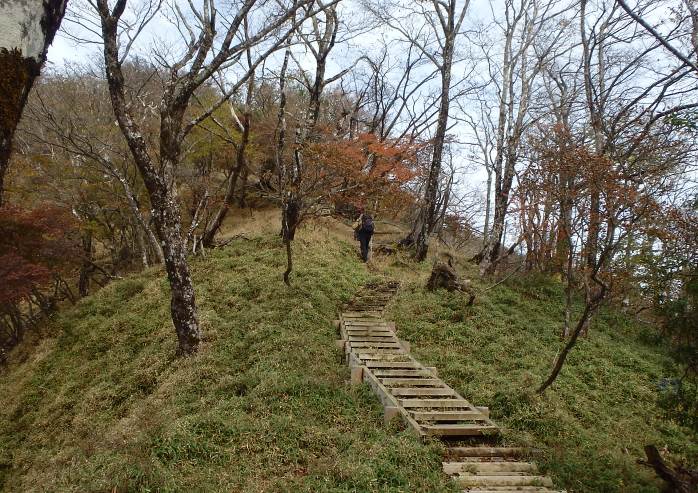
99 402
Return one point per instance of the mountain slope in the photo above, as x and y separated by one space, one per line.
264 406
103 404
604 406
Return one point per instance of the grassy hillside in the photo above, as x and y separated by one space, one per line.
102 404
594 421
264 406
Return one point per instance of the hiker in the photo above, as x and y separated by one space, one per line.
363 231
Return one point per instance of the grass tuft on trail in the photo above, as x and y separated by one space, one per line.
103 404
604 406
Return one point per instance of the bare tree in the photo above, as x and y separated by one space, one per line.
85 135
27 29
433 29
693 16
203 57
240 164
319 40
525 52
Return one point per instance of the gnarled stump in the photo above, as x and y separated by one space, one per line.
384 249
445 276
679 479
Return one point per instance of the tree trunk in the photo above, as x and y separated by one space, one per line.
429 208
593 300
182 301
488 208
159 184
673 478
138 216
240 166
243 187
289 263
86 267
28 28
228 199
560 361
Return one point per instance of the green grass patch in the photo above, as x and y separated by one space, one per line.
604 406
264 406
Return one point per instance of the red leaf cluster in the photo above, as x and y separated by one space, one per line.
34 245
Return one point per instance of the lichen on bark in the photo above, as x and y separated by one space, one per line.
16 76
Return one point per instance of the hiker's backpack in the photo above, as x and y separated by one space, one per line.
367 224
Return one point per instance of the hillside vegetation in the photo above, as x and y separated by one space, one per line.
264 405
101 403
605 406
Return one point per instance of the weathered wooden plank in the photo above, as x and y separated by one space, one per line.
487 452
435 403
383 356
393 364
378 336
358 327
402 373
421 392
369 330
427 382
372 332
366 315
459 429
371 338
374 344
486 468
354 323
357 375
375 350
469 480
448 415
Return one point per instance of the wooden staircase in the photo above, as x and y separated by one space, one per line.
415 393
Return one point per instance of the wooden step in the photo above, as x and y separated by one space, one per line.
402 373
447 415
383 356
372 338
511 489
362 324
412 382
367 329
469 480
380 350
374 344
352 329
459 429
392 364
376 336
435 403
370 330
369 317
371 333
486 452
487 468
367 326
421 392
